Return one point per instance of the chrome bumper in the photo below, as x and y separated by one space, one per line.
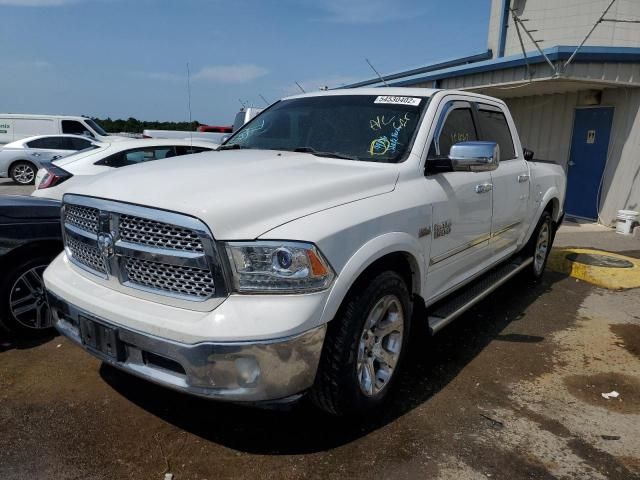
240 372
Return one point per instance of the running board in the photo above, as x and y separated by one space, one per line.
452 307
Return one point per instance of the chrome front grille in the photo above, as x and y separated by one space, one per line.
86 255
196 282
85 218
162 254
159 234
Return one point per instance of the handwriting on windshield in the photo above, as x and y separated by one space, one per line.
387 143
247 132
379 122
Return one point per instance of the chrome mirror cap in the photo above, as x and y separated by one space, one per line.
474 156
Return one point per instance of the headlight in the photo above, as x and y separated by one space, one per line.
278 267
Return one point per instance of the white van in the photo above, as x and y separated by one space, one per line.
15 126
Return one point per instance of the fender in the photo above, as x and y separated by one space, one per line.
365 256
542 201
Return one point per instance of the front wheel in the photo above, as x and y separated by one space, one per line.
23 173
364 346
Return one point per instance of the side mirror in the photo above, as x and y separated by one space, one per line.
474 156
528 154
87 133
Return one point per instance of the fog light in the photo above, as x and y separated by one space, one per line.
248 371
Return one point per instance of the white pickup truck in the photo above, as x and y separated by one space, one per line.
300 257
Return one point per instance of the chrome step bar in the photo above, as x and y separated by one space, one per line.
451 308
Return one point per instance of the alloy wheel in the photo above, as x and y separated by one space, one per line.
23 174
27 300
542 248
380 345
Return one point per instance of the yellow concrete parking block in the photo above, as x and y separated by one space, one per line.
604 269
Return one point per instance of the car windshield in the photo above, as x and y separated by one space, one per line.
376 128
97 128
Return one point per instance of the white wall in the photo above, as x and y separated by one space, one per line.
566 22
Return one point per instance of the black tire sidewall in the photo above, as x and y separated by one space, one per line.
6 284
346 329
23 162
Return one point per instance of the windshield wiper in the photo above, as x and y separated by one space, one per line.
313 151
231 146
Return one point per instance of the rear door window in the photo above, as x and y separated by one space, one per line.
137 155
182 150
79 143
51 143
494 128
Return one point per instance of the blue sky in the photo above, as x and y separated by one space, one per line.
127 58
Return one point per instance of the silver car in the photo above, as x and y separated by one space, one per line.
21 159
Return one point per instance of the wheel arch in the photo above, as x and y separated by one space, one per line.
39 247
393 251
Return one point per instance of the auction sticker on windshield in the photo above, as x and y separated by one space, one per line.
398 100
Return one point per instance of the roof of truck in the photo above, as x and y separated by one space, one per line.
390 91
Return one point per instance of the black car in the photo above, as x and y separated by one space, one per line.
30 237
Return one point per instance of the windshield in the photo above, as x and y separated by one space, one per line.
376 128
96 128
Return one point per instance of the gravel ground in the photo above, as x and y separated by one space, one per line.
511 390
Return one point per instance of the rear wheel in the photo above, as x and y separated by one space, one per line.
23 305
540 245
364 346
23 172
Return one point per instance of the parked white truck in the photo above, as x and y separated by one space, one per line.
301 258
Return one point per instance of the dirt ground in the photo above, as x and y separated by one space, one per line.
512 390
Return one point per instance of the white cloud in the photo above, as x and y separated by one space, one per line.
215 73
37 3
231 73
370 11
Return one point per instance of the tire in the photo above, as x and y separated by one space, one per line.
23 307
23 172
540 245
353 353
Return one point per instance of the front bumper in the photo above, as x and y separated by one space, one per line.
252 371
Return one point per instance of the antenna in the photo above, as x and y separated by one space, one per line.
303 90
244 105
376 72
264 99
189 102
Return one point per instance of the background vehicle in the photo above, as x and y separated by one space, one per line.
213 134
214 138
30 237
301 259
55 177
14 126
21 159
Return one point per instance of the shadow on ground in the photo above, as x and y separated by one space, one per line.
430 366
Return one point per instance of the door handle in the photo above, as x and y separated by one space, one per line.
571 164
523 178
484 188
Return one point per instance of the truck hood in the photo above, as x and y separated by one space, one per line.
242 194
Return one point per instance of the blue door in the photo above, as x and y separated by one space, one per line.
589 147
